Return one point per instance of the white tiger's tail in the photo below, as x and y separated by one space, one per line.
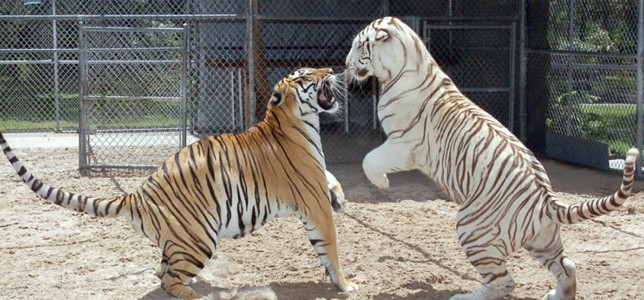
96 207
571 214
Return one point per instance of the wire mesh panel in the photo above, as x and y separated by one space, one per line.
590 68
237 51
480 60
133 95
288 44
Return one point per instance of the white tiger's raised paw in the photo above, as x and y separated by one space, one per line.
381 182
375 171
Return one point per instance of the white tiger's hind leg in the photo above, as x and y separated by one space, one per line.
387 158
497 282
548 249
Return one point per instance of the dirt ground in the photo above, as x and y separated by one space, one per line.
397 244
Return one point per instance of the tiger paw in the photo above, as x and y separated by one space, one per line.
551 295
379 180
347 286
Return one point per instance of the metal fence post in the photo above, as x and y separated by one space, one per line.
56 74
571 45
250 23
183 89
523 60
82 122
640 83
511 83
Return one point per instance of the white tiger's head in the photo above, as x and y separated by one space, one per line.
307 92
383 49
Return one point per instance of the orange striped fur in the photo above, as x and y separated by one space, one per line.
229 185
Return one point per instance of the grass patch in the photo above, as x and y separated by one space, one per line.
611 124
21 125
130 123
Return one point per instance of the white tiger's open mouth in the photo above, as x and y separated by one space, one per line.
326 99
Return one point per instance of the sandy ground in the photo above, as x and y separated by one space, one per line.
398 244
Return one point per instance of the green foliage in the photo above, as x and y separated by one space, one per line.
599 26
612 124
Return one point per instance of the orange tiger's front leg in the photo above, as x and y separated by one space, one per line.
321 231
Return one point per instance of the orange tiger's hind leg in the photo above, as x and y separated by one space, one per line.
177 271
548 249
163 267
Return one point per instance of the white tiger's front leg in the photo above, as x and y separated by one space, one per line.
387 158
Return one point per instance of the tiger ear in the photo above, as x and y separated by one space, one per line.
276 98
382 35
279 92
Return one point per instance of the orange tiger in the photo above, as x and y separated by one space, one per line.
229 185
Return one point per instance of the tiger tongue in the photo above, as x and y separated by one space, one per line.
322 96
322 100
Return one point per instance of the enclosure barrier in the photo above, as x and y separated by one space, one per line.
132 95
563 75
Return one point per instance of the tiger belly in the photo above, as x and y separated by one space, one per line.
241 219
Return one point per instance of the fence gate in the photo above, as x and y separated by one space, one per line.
133 85
486 50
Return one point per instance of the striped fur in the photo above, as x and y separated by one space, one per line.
504 192
229 185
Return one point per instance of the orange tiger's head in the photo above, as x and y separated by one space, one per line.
307 92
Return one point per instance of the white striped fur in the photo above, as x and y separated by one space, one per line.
504 192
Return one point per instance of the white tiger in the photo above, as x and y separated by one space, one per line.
504 192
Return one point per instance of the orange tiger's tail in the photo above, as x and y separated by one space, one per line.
571 214
96 207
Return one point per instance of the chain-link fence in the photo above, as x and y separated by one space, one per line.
587 63
133 86
236 51
482 49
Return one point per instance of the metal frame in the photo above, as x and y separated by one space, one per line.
568 66
510 89
640 85
85 98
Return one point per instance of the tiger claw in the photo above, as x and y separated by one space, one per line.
347 286
381 182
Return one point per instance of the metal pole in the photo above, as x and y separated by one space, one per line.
640 82
375 94
56 75
232 98
571 35
82 89
240 99
523 60
385 7
513 40
184 88
250 23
